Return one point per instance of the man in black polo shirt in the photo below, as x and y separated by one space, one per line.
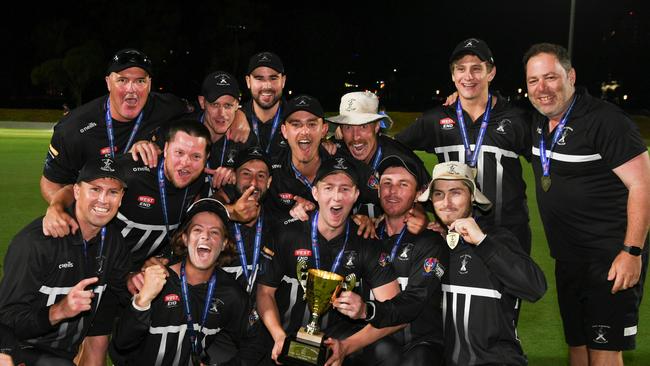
487 274
265 79
181 309
326 241
417 260
484 131
593 190
294 170
52 287
360 124
108 125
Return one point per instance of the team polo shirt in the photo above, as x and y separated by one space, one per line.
286 185
389 146
159 336
141 218
40 271
507 137
585 210
418 264
278 143
291 243
82 134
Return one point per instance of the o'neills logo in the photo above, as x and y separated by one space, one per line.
87 127
302 253
447 123
146 201
107 150
172 300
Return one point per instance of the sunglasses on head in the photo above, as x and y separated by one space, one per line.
131 57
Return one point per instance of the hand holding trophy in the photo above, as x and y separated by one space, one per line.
307 347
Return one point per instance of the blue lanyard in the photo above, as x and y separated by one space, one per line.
225 143
301 177
546 162
276 122
469 157
194 342
256 250
393 251
109 129
315 246
377 160
102 235
163 194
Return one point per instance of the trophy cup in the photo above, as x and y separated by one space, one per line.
306 348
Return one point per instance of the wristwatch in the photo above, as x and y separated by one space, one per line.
370 311
632 250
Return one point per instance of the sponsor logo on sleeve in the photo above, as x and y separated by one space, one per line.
171 300
447 123
146 201
302 253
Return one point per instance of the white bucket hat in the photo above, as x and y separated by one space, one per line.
454 170
359 108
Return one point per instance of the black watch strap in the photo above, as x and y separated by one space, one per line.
632 250
370 311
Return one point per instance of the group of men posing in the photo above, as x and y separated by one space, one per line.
177 236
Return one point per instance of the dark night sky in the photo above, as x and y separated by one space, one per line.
319 45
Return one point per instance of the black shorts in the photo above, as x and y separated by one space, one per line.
591 314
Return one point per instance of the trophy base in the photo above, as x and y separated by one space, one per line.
308 351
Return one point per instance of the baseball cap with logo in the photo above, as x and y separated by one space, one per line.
252 153
129 57
335 165
217 84
454 170
303 103
268 59
205 205
472 46
359 108
101 168
405 162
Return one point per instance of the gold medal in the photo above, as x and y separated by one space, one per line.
546 182
452 239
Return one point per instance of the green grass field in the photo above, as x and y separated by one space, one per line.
22 153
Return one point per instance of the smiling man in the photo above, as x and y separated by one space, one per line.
593 193
108 125
182 309
484 131
52 287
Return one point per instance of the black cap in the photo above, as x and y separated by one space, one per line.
129 57
472 46
337 165
205 205
101 168
268 59
303 103
251 153
217 84
392 161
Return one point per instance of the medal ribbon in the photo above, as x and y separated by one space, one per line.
194 341
276 122
102 235
375 162
393 251
470 157
256 250
109 129
546 162
163 194
315 246
301 177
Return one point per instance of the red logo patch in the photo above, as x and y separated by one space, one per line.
302 253
147 199
286 196
107 150
447 123
172 297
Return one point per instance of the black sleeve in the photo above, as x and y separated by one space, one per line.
131 329
64 156
418 135
271 261
510 265
373 271
117 276
25 268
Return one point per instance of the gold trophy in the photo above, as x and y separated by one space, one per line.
307 348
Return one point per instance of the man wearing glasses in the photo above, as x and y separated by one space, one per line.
52 287
110 124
